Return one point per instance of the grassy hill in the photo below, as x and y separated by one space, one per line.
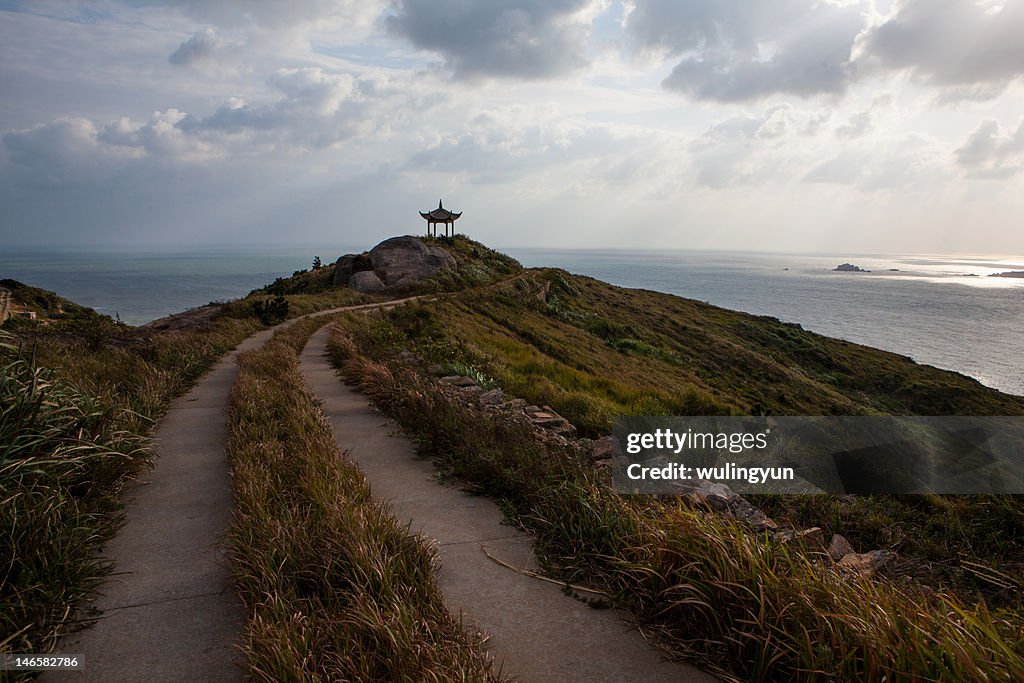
741 604
591 351
48 305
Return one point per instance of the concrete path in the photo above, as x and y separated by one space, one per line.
169 612
538 633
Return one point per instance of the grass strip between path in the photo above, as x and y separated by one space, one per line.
334 586
713 591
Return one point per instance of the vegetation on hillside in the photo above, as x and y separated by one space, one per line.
709 589
48 305
336 588
477 265
79 394
593 351
64 455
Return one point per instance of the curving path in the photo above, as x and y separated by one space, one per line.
537 633
170 613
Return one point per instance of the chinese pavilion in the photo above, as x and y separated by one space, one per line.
440 215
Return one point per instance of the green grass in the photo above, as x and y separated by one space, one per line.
478 266
63 458
706 588
336 588
593 351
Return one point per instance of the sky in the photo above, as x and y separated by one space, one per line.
868 126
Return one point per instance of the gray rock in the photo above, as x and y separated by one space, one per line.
366 281
402 260
604 448
814 537
514 404
458 381
343 268
492 397
839 548
865 564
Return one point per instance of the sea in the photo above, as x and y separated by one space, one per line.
940 310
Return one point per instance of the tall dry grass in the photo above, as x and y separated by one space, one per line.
74 418
709 589
335 587
63 458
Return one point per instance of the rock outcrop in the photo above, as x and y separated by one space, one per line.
394 263
849 268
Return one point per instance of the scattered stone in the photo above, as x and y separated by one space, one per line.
839 548
492 398
720 498
516 404
458 381
531 409
865 564
606 447
435 370
813 537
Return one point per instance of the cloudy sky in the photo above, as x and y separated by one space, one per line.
808 125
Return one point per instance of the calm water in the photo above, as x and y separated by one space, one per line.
144 286
930 310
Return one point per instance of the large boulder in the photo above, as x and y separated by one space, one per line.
401 260
349 264
343 269
366 281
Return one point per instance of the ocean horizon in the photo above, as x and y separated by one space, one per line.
939 309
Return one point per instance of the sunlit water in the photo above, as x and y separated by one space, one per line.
931 310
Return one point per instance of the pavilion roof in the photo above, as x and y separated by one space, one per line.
440 213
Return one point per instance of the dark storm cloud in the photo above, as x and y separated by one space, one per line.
516 38
952 43
733 50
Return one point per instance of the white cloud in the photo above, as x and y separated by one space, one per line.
992 153
733 50
973 48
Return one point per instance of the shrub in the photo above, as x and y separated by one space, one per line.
271 311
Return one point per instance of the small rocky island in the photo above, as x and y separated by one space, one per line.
1009 273
849 268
